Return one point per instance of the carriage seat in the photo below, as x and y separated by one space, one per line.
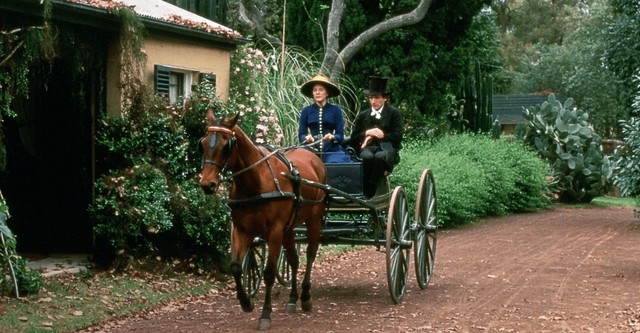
346 144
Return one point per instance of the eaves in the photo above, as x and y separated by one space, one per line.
81 15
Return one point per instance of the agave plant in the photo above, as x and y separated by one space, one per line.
14 274
8 251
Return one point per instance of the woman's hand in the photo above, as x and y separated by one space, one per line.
308 138
328 137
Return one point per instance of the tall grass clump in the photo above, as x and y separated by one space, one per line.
475 176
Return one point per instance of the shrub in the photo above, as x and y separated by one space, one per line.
201 223
475 176
130 205
565 139
147 133
147 200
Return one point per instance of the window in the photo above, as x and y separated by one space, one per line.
176 86
173 82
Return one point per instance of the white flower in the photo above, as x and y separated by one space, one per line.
278 138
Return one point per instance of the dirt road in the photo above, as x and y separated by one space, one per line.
561 270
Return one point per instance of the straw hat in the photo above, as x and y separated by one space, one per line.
377 86
307 87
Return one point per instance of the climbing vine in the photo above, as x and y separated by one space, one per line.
21 47
132 57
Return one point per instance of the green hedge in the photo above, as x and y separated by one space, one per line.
475 176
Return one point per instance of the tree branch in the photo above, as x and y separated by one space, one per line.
332 45
368 35
11 53
251 16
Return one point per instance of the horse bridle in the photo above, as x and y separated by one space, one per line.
230 145
212 143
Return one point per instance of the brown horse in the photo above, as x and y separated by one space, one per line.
266 203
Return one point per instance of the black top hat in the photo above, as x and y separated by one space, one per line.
307 87
377 86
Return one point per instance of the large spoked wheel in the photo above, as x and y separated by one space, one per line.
283 273
398 244
253 267
426 217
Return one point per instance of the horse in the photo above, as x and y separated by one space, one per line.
266 200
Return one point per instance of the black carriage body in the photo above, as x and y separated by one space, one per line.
351 218
346 177
382 221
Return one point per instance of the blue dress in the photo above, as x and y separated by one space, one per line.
332 122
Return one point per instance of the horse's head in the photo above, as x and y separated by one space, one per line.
217 148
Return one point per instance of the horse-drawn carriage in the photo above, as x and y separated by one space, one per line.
274 192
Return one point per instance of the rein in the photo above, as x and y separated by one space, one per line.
264 196
266 157
212 129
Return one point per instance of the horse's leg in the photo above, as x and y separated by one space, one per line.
314 227
294 262
274 245
240 243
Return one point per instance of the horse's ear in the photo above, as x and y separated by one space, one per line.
210 117
234 119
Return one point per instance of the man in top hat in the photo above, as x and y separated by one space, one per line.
377 135
322 120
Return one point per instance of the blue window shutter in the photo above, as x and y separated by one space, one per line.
162 75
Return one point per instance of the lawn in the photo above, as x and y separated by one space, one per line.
70 302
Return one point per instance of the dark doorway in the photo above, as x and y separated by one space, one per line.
47 184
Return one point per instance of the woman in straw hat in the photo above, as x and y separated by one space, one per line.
331 129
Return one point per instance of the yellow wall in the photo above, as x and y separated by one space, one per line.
172 53
191 56
114 95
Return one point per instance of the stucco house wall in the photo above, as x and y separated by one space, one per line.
192 57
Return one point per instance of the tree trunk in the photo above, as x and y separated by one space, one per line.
349 51
335 60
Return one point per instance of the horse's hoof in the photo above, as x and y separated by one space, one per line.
290 308
248 308
306 305
264 324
